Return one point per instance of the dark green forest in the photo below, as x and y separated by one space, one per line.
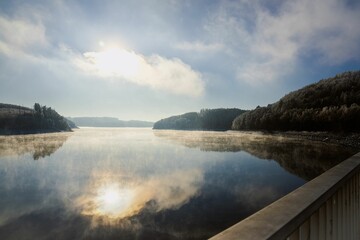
207 119
330 105
17 119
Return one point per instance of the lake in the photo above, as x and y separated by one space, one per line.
133 183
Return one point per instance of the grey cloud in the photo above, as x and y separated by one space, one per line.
269 44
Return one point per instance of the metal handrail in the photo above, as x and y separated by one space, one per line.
311 210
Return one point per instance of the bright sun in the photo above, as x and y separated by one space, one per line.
115 62
111 196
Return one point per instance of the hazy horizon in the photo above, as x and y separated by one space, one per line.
147 60
109 117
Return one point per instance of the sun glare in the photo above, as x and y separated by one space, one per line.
111 196
116 61
114 201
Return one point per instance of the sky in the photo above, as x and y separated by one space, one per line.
150 59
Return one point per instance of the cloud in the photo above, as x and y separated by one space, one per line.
19 38
199 46
269 44
328 28
156 72
31 44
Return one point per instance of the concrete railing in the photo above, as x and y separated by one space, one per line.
328 207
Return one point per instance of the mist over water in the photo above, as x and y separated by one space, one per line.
104 183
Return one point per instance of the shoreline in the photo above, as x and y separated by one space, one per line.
28 132
346 139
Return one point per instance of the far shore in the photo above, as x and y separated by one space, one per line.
26 132
345 139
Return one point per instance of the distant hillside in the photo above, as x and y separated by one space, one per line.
107 122
329 105
17 119
71 123
206 119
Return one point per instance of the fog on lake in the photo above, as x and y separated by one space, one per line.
138 183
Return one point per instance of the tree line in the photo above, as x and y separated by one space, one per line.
47 118
38 119
330 105
207 119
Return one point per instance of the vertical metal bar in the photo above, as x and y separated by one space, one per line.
349 186
357 236
352 208
357 210
351 191
294 235
314 226
305 231
340 214
335 215
353 204
347 217
329 231
345 212
322 222
355 207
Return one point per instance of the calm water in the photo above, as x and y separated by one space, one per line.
106 183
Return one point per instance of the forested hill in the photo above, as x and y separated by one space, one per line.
330 105
17 119
206 119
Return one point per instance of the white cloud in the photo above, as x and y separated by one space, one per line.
27 41
268 45
199 46
327 27
157 72
19 38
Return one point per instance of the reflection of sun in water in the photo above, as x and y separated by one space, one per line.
114 201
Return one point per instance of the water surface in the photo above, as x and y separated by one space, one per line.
118 183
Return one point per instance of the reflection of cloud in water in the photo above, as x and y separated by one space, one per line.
173 190
39 145
254 196
306 159
116 198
